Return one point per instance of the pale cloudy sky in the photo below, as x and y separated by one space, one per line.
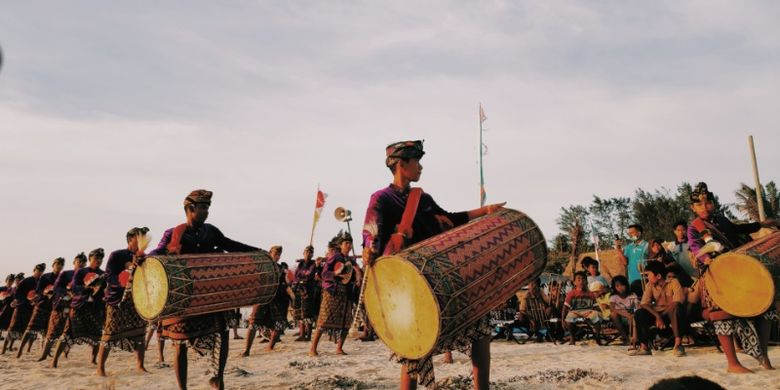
110 113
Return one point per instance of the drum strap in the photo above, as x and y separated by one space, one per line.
174 247
404 230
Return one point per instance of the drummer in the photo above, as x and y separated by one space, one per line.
207 334
87 309
385 208
22 307
60 301
39 320
753 333
338 301
123 328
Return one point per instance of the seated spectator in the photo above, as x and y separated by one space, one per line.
622 303
579 304
661 305
591 267
601 292
534 296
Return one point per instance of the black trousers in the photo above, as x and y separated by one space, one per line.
645 320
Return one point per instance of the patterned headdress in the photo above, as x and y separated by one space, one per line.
701 193
19 276
59 260
40 267
10 277
403 149
309 248
198 196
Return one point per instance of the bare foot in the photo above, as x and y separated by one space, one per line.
313 354
269 349
245 354
216 383
766 364
447 360
100 373
340 352
739 369
141 370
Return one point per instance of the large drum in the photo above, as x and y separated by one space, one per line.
743 282
426 294
188 285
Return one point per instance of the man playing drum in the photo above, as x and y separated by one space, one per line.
384 213
124 328
42 301
87 309
60 301
207 333
707 226
337 294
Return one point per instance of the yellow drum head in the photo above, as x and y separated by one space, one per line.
402 307
150 288
740 285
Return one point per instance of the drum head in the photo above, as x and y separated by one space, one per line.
150 288
402 307
740 285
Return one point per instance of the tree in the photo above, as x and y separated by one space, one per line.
748 205
574 222
610 218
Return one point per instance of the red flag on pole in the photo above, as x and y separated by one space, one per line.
319 204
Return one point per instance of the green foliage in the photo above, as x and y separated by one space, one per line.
656 211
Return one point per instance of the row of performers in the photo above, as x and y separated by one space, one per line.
384 232
91 305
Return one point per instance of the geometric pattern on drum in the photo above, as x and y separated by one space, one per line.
200 284
766 250
478 266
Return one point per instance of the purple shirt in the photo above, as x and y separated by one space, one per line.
328 276
722 230
80 294
61 286
203 239
46 279
305 273
385 209
27 285
114 266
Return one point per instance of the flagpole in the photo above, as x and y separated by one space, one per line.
759 189
481 149
314 220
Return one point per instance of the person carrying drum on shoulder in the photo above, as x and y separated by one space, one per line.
87 309
123 328
340 275
39 320
207 334
60 302
710 231
385 209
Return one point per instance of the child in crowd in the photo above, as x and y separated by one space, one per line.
622 303
591 266
579 304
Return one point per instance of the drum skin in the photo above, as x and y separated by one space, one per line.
428 293
743 282
189 285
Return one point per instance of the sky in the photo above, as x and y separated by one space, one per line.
112 112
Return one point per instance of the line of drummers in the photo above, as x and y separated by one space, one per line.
39 306
716 280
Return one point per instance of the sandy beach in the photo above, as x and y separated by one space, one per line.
513 366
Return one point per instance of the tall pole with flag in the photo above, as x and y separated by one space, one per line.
482 193
318 205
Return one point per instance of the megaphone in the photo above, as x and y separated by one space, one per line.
342 214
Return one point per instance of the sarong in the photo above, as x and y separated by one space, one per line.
85 325
303 306
335 309
57 320
202 333
123 328
19 321
39 321
422 369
